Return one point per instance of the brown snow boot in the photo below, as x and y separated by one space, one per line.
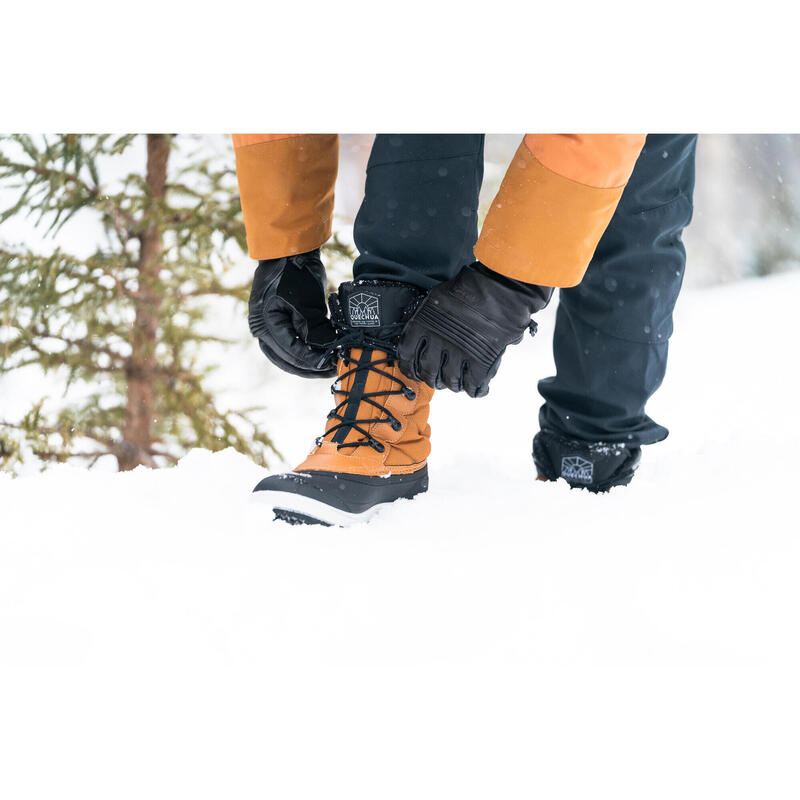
377 437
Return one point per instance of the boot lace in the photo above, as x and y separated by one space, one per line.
366 344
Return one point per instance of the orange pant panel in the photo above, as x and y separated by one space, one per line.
543 227
245 139
286 183
602 160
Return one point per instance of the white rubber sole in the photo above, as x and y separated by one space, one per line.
308 507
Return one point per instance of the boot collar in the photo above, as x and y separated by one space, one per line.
378 309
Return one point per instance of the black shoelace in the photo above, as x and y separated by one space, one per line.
355 396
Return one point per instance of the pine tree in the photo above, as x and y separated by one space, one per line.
123 324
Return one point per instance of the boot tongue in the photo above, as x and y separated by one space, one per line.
378 308
375 311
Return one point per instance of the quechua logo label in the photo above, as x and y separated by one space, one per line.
364 310
578 469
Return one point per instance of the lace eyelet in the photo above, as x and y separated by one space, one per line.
376 445
409 393
396 424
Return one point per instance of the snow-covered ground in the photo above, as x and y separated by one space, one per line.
496 638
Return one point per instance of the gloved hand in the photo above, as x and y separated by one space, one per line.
289 317
457 336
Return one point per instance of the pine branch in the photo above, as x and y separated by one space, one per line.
50 430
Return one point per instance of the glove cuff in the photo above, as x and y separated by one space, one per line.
538 296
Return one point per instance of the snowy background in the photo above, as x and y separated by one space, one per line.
496 637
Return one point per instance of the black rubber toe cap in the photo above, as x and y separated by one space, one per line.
352 493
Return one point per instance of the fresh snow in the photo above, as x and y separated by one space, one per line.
161 637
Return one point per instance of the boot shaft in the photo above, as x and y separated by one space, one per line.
379 424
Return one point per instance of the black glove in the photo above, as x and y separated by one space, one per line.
458 335
289 317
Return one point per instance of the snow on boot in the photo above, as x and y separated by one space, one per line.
377 437
596 466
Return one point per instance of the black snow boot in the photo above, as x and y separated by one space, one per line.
596 466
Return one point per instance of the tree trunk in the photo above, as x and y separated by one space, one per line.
140 369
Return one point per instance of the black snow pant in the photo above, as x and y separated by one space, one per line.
419 223
419 219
